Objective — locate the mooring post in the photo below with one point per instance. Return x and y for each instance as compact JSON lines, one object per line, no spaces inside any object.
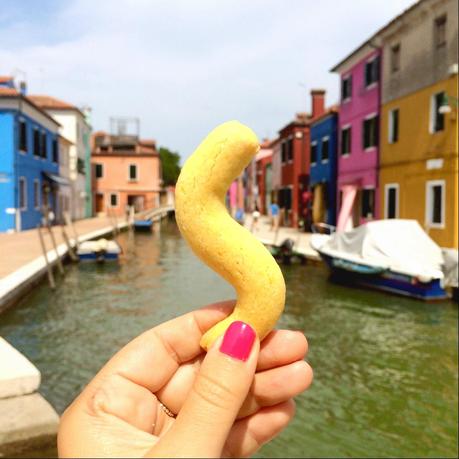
{"x":48,"y":265}
{"x":53,"y":240}
{"x":70,"y":250}
{"x":69,"y":222}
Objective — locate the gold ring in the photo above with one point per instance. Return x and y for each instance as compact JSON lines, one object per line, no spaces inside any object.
{"x":166,"y":410}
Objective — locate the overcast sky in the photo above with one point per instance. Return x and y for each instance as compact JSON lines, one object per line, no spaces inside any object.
{"x":184,"y":66}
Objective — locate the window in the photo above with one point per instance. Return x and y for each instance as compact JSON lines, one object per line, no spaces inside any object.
{"x":55,"y":151}
{"x":371,"y":71}
{"x":132,"y":172}
{"x":395,"y":58}
{"x":22,"y":193}
{"x":325,"y":149}
{"x":440,"y":31}
{"x":36,"y":194}
{"x":113,"y":200}
{"x":435,"y":203}
{"x":284,"y":151}
{"x":437,"y":119}
{"x":313,"y":153}
{"x":23,"y":136}
{"x":391,"y":200}
{"x":80,"y":166}
{"x":346,"y":88}
{"x":346,"y":141}
{"x":290,"y":150}
{"x":370,"y":132}
{"x":368,"y":202}
{"x":44,"y":145}
{"x":36,"y":142}
{"x":393,"y":126}
{"x":99,"y":170}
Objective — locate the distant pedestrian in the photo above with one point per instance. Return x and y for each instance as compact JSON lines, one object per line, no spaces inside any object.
{"x":255,"y":217}
{"x":274,"y":213}
{"x":239,"y":217}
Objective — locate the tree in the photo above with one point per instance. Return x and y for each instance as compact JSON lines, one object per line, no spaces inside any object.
{"x":170,"y":165}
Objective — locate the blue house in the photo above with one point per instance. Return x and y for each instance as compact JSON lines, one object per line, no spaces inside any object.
{"x":29,"y":160}
{"x":323,"y":175}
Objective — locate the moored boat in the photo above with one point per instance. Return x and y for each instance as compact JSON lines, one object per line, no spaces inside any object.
{"x":143,"y":225}
{"x":394,"y":255}
{"x":100,"y":250}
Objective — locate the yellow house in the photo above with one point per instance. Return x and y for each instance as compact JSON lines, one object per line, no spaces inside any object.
{"x":418,"y":176}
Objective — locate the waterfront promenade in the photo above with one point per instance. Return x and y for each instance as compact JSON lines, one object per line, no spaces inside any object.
{"x":263,"y":232}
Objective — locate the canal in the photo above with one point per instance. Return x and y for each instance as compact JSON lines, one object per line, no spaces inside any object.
{"x":385,"y":367}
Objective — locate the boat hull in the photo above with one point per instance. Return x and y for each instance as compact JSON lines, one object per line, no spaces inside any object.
{"x":143,"y":225}
{"x":385,"y":280}
{"x":98,"y":257}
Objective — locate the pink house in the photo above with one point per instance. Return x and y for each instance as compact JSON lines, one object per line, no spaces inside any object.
{"x":358,"y":136}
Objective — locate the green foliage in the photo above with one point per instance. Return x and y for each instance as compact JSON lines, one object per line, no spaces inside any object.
{"x":170,"y":165}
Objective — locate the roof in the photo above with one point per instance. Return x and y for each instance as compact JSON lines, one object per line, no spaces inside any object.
{"x":263,"y":153}
{"x":334,"y":109}
{"x":5,"y":78}
{"x":378,"y":32}
{"x":6,"y":91}
{"x":52,"y":103}
{"x":14,"y":93}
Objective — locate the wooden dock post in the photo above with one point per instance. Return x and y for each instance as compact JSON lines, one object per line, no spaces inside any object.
{"x":58,"y":258}
{"x":70,"y":250}
{"x":69,"y":222}
{"x":49,"y":268}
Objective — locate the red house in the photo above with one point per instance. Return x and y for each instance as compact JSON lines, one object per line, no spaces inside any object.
{"x":263,"y":161}
{"x":293,"y":195}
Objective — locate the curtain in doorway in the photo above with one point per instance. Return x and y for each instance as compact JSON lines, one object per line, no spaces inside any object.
{"x":345,"y":222}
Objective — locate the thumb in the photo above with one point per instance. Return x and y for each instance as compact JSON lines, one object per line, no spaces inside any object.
{"x":220,"y":388}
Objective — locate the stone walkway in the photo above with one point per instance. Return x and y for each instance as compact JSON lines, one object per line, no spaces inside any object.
{"x":267,"y":236}
{"x":18,"y":249}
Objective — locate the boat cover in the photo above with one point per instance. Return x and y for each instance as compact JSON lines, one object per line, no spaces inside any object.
{"x":451,"y":267}
{"x":395,"y":244}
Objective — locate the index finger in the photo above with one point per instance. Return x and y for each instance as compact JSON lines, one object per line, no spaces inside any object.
{"x":152,"y":358}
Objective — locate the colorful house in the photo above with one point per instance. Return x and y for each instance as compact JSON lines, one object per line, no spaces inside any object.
{"x":293,"y":194}
{"x":323,"y":161}
{"x":29,"y":160}
{"x":75,"y":128}
{"x":127,"y":172}
{"x":358,"y":136}
{"x":419,"y":128}
{"x":263,"y":167}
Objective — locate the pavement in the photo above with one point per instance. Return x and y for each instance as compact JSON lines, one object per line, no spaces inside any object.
{"x":18,"y":249}
{"x":263,"y":232}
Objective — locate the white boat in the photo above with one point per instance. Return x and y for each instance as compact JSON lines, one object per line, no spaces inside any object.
{"x":99,"y":250}
{"x":392,"y":255}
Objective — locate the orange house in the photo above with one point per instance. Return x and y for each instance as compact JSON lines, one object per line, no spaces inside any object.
{"x":126,"y":172}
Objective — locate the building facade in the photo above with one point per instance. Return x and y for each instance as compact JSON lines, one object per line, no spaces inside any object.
{"x":323,"y":159}
{"x":264,"y":182}
{"x":419,"y":129}
{"x":127,"y":172}
{"x":65,"y":192}
{"x":75,"y":128}
{"x":29,"y":160}
{"x":293,"y":195}
{"x":358,"y":136}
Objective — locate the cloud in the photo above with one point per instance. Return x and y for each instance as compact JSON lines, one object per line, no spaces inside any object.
{"x":182,"y":66}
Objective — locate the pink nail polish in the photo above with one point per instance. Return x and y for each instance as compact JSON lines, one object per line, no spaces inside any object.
{"x":238,"y":340}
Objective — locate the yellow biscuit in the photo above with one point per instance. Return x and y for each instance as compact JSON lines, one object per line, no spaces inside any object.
{"x":217,"y":239}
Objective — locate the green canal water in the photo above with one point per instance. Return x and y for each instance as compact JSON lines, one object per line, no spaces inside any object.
{"x":386,"y":368}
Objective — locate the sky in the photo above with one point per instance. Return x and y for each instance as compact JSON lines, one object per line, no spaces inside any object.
{"x":185,"y":66}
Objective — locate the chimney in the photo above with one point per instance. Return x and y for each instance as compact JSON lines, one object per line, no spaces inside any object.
{"x":23,"y":88}
{"x":317,"y":102}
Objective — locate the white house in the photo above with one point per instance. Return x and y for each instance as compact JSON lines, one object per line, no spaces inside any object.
{"x":76,"y":129}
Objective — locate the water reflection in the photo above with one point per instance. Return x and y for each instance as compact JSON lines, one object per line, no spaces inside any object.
{"x":385,"y":367}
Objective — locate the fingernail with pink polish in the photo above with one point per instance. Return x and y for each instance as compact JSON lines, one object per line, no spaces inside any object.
{"x":238,"y":340}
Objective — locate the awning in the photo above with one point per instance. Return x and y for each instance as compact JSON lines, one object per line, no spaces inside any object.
{"x":56,"y":178}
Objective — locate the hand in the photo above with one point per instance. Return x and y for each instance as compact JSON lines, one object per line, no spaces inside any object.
{"x":224,"y":405}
